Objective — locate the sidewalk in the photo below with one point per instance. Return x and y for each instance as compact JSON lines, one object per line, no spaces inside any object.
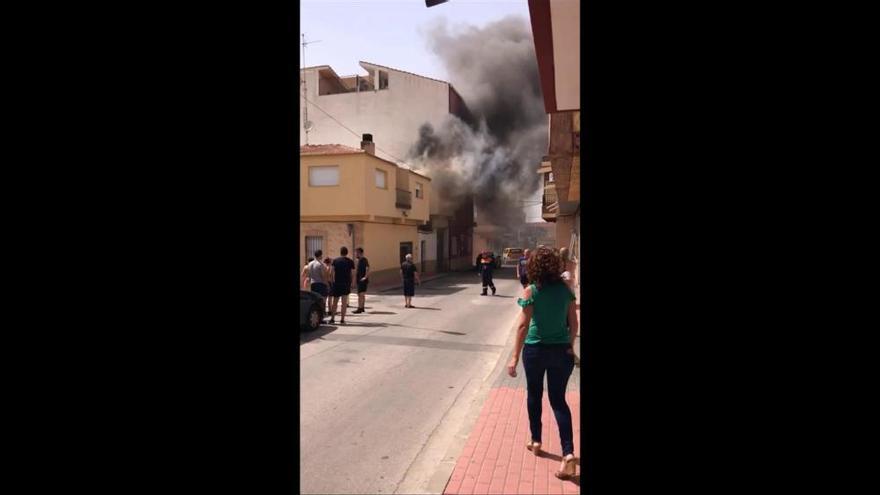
{"x":494,"y":459}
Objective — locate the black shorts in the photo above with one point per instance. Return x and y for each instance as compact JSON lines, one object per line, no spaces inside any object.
{"x":320,"y":288}
{"x":362,"y":286}
{"x":409,"y":288}
{"x":341,"y":290}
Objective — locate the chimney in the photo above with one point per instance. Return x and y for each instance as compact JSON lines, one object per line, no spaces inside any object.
{"x":368,"y":145}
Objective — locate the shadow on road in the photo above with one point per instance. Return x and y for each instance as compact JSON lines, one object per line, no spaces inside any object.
{"x":425,"y":307}
{"x":436,"y":290}
{"x":369,"y":325}
{"x":323,"y":330}
{"x":416,"y":342}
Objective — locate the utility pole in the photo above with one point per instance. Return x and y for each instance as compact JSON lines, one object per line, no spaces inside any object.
{"x":307,"y":125}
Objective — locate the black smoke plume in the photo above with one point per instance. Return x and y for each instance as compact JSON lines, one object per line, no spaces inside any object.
{"x":494,"y":157}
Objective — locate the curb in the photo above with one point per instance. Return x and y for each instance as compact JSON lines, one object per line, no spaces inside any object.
{"x":444,"y":472}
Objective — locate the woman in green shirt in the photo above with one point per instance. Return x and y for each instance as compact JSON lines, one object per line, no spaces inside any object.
{"x":546,"y":331}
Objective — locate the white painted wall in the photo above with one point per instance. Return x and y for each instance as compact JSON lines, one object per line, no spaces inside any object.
{"x":393,"y":116}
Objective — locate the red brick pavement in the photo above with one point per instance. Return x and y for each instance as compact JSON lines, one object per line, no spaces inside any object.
{"x":495,"y":460}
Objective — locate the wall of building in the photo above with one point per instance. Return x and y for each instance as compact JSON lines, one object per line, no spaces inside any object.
{"x":382,"y":247}
{"x":334,"y":234}
{"x":380,"y":201}
{"x":565,"y":21}
{"x":393,"y":115}
{"x":564,"y":227}
{"x":430,"y":253}
{"x":421,"y":207}
{"x":348,"y":198}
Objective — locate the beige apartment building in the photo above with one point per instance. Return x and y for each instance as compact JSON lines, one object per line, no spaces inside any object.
{"x":350,"y":197}
{"x":391,"y":104}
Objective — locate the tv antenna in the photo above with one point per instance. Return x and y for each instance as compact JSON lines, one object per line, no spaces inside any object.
{"x":308,"y":125}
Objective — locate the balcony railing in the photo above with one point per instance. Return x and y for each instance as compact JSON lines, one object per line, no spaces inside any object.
{"x":550,"y":206}
{"x":404,"y":199}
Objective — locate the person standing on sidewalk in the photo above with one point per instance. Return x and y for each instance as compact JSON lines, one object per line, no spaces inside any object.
{"x":328,"y":268}
{"x":363,"y":273}
{"x":304,"y":275}
{"x":341,"y":276}
{"x":545,"y":337}
{"x":569,"y":266}
{"x":521,"y":271}
{"x":319,"y":275}
{"x":410,"y":275}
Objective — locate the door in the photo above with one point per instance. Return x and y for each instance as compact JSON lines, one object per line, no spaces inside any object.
{"x":441,"y":250}
{"x":422,"y":255}
{"x":405,"y":249}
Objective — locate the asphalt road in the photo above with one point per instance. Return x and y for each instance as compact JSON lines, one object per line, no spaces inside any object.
{"x":383,"y":397}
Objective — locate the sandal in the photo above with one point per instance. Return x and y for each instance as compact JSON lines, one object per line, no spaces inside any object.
{"x":535,"y":447}
{"x":568,"y":468}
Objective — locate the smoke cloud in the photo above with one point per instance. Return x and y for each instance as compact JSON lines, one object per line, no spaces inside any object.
{"x":493,"y":157}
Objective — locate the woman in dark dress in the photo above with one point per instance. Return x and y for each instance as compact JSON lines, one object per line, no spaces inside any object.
{"x":410,"y":275}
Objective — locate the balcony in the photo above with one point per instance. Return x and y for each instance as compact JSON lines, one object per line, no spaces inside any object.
{"x":550,"y":206}
{"x":404,"y":199}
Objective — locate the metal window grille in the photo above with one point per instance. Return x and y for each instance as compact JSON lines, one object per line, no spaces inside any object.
{"x":313,"y":243}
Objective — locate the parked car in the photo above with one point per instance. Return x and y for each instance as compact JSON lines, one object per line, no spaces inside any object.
{"x":512,"y":255}
{"x":498,"y":260}
{"x":311,"y":309}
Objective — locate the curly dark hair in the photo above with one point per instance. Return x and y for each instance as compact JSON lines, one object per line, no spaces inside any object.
{"x":544,"y":266}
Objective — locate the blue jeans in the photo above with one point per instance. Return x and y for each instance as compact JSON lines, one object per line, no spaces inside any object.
{"x":558,"y":364}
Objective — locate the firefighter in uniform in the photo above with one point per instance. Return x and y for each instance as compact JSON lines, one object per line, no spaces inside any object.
{"x":485,"y":266}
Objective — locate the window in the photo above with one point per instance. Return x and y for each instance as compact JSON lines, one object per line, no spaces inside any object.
{"x":324,"y":176}
{"x":313,"y":243}
{"x":419,"y":190}
{"x":381,"y":179}
{"x":383,"y":79}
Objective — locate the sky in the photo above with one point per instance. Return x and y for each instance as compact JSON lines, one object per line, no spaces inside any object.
{"x":389,"y":32}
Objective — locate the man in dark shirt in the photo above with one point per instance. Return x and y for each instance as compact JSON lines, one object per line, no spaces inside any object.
{"x":363,"y":273}
{"x":486,"y":265}
{"x":410,"y":274}
{"x":340,"y":273}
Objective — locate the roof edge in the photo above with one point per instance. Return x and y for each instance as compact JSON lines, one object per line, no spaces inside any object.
{"x":362,"y":62}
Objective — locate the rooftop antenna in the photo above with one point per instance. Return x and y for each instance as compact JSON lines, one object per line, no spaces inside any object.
{"x":307,"y":124}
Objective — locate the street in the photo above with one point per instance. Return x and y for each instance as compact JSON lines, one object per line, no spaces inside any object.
{"x":384,"y":397}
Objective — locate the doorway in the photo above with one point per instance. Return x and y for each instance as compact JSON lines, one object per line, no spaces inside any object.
{"x":422,"y":255}
{"x":441,"y":250}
